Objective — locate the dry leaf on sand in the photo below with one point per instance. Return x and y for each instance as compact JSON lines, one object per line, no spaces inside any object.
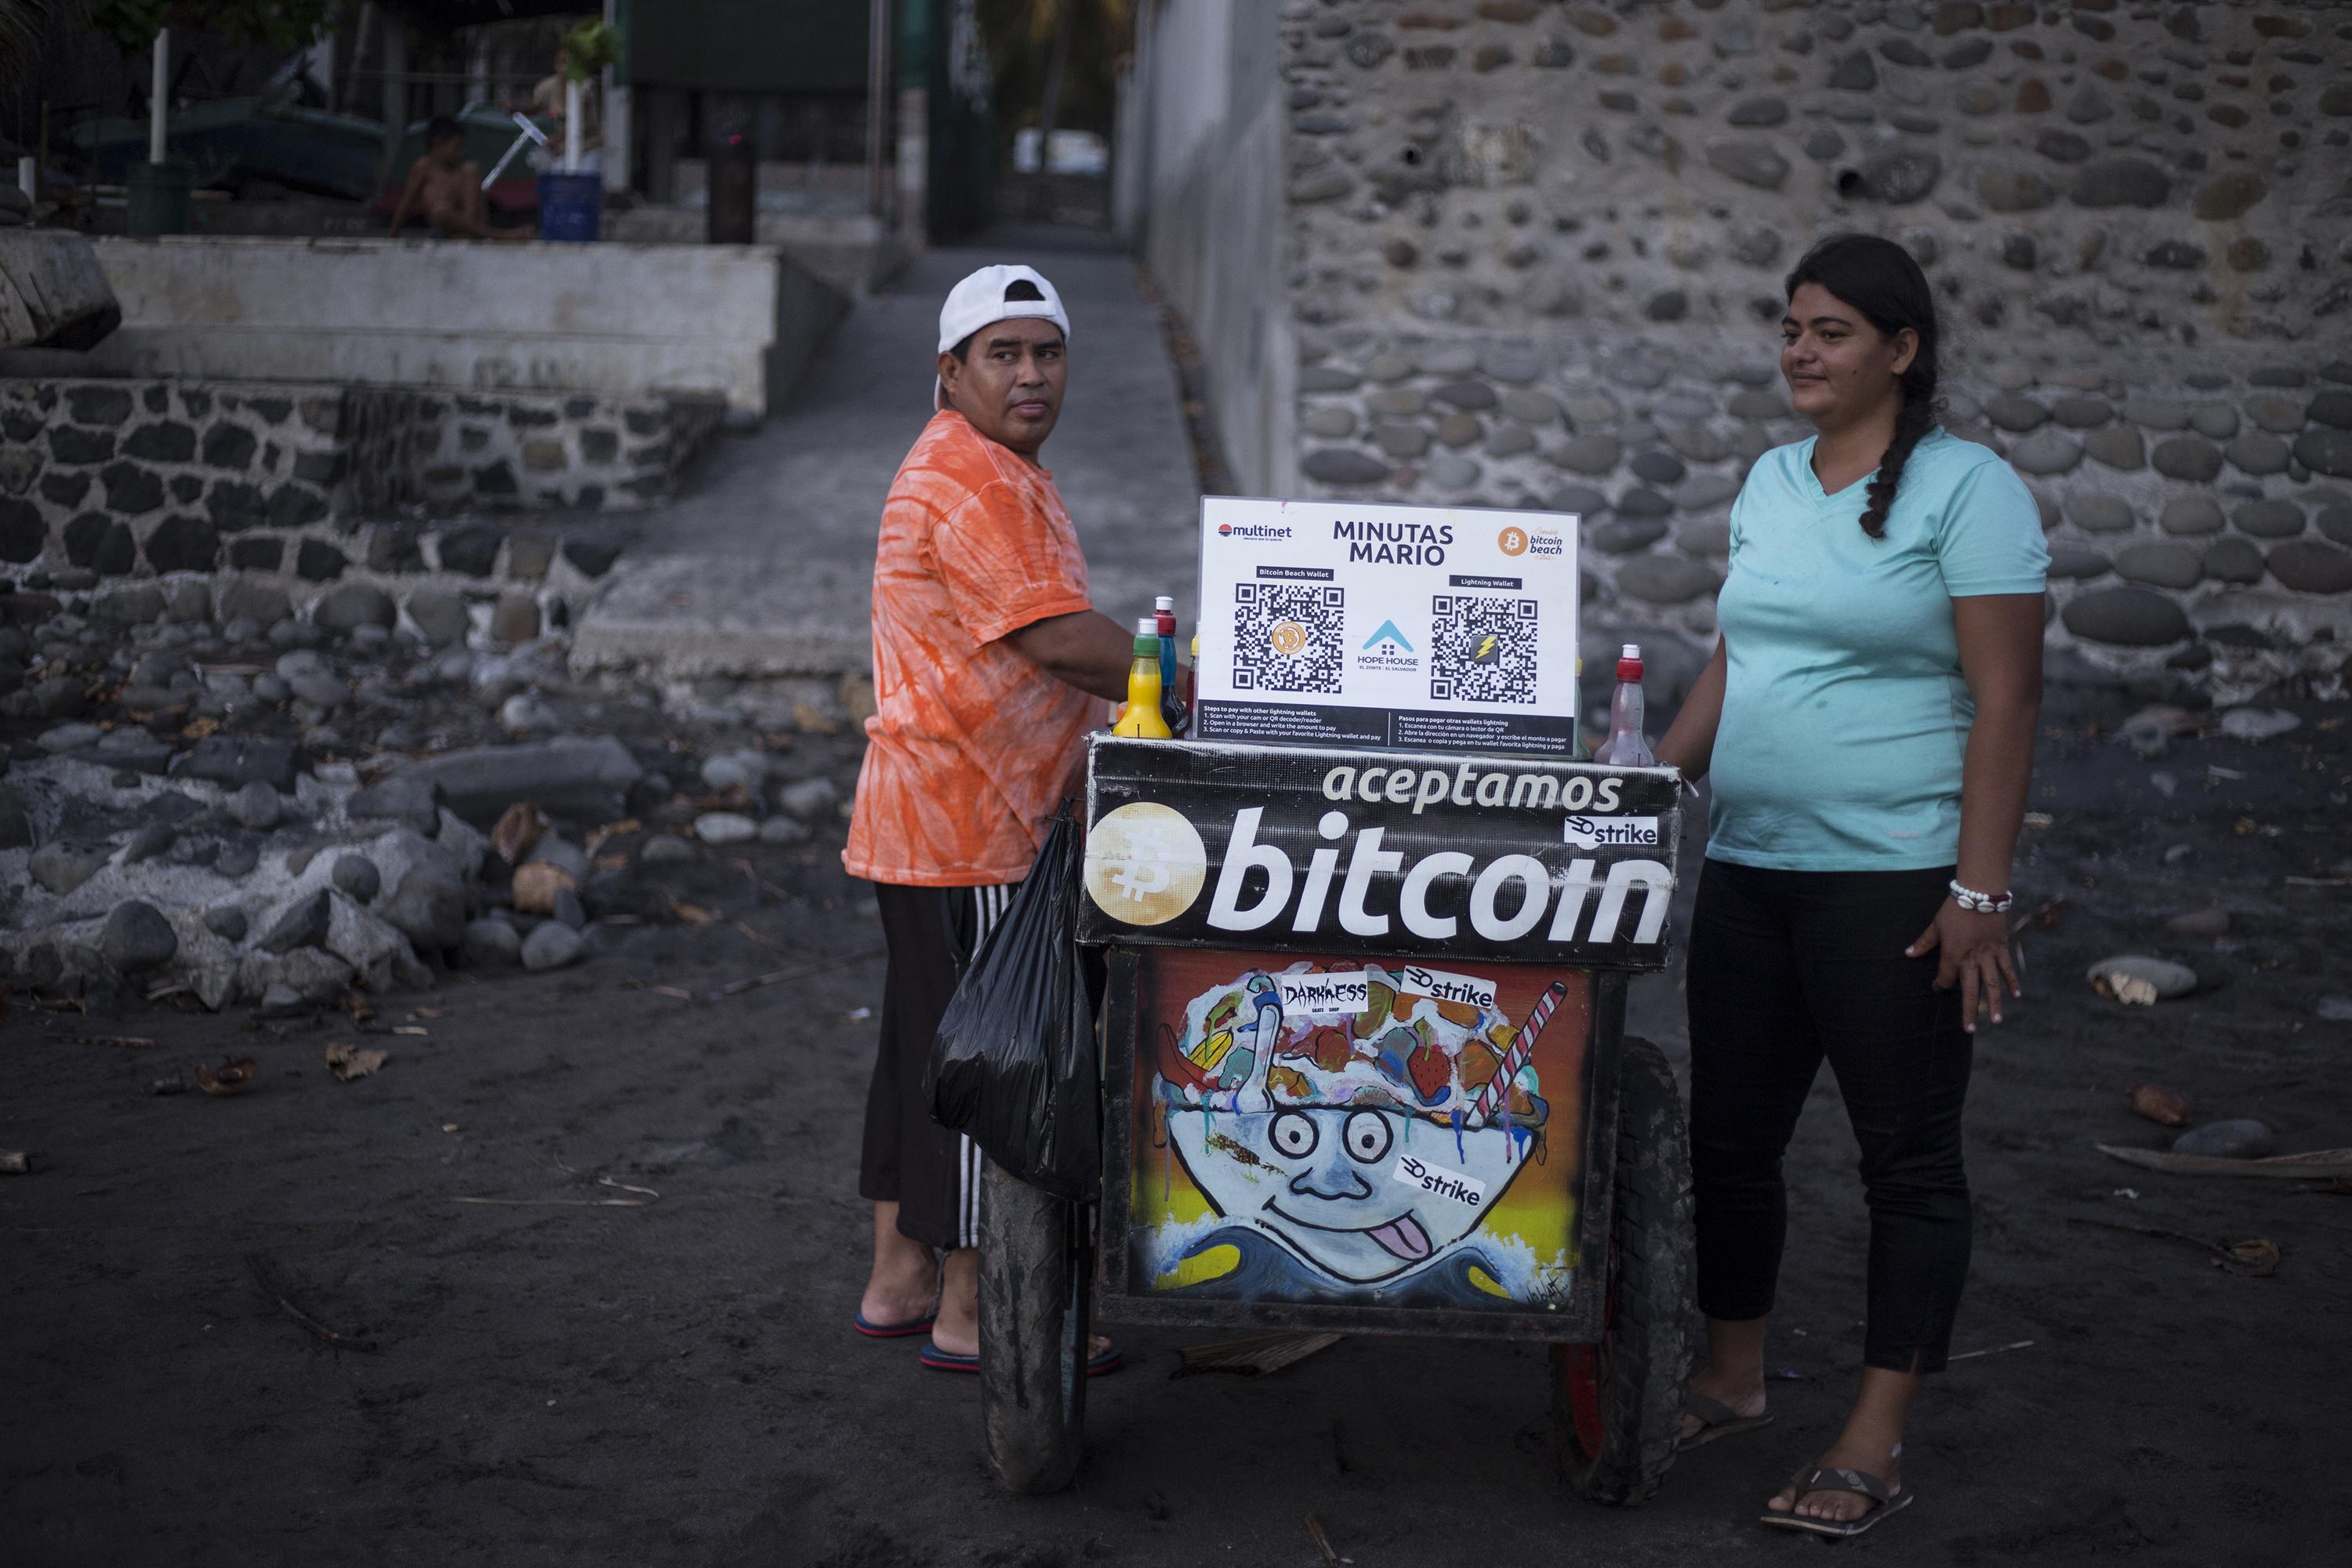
{"x":521,"y":828}
{"x":2161,"y":1104}
{"x":2258,"y":1255}
{"x":229,"y":1078}
{"x":348,"y":1062}
{"x":536,"y":885}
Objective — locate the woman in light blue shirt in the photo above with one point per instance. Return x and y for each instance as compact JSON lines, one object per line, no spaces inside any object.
{"x":1868,"y":718}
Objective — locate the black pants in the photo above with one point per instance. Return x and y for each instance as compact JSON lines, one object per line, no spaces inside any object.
{"x":1786,"y":967}
{"x":931,"y":1174}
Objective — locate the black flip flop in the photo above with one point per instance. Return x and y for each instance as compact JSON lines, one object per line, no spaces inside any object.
{"x":1716,"y":1419}
{"x":1862,"y":1483}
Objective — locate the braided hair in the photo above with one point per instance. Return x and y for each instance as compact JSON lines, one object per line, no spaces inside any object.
{"x":1879,"y":279}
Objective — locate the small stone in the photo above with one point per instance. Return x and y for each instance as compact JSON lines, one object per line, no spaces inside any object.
{"x":2199,"y":923}
{"x":490,"y":943}
{"x":667,"y":848}
{"x":2046,"y":452}
{"x":1667,"y":579}
{"x":304,"y":925}
{"x":236,"y":861}
{"x":2190,"y":515}
{"x":2079,"y":413}
{"x":2239,"y":1138}
{"x":438,"y":616}
{"x":781,"y":830}
{"x":2216,"y":421}
{"x":2138,"y":978}
{"x":550,"y":945}
{"x":2258,"y":452}
{"x":2233,"y":561}
{"x":324,"y":690}
{"x":2125,"y":617}
{"x":1749,"y":163}
{"x":233,"y":760}
{"x":724,"y":827}
{"x":137,"y":937}
{"x":1330,"y":423}
{"x":149,"y":842}
{"x":61,"y":868}
{"x":226,"y":923}
{"x":1343,"y":466}
{"x":2161,"y":562}
{"x":524,"y":714}
{"x":514,"y":619}
{"x":810,"y":799}
{"x":347,"y":608}
{"x":2258,"y":723}
{"x":356,"y":875}
{"x":255,"y":806}
{"x":2016,"y":414}
{"x":2100,"y":513}
{"x":66,"y":738}
{"x":281,"y":1001}
{"x":1596,"y":455}
{"x":428,"y":905}
{"x":2311,"y":567}
{"x":2269,"y":519}
{"x":2325,"y":451}
{"x":405,"y":797}
{"x":2121,"y":182}
{"x":2228,"y":196}
{"x":2118,"y":446}
{"x":2187,"y":458}
{"x":1900,"y":177}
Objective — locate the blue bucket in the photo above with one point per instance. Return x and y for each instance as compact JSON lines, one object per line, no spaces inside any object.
{"x":570,"y":206}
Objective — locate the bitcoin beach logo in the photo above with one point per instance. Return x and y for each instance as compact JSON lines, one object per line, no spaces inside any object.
{"x":1514,"y":540}
{"x":1287,"y":637}
{"x":1145,"y":864}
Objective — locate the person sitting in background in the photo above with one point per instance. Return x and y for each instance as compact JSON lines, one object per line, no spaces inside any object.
{"x":445,"y":189}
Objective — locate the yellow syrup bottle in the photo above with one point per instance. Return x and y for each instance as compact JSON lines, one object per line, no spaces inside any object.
{"x":1140,"y":719}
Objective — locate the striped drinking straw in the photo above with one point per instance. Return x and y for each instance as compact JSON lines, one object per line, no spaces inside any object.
{"x":1523,"y":1049}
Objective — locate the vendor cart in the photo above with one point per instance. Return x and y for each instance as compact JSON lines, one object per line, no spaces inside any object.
{"x":1365,"y":1071}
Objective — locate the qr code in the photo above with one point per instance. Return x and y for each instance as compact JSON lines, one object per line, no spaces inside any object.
{"x":1482,"y":649}
{"x":1287,"y":637}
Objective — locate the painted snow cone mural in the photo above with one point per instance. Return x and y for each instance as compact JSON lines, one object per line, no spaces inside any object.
{"x":1398,"y":1135}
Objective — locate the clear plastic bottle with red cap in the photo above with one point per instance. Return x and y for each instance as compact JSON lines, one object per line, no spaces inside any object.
{"x":1627,"y":746}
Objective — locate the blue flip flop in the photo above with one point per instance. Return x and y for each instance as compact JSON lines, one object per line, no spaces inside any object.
{"x":939,"y":1359}
{"x":872,"y":1330}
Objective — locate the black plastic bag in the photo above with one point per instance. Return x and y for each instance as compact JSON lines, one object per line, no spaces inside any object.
{"x":1014,"y":1065}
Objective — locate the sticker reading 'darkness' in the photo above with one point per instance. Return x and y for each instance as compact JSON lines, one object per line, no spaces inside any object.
{"x":1415,"y":1171}
{"x":1324,"y":996}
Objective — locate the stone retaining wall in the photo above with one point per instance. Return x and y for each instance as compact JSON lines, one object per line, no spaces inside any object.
{"x":1535,"y":253}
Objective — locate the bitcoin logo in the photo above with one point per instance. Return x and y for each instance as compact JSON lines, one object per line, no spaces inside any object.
{"x":1145,"y":864}
{"x":1514,"y":540}
{"x":1287,"y":637}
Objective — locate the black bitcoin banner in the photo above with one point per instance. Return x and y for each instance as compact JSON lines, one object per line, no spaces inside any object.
{"x":1379,"y":853}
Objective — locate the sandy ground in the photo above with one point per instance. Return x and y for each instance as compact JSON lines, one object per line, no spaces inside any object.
{"x":677,"y":1382}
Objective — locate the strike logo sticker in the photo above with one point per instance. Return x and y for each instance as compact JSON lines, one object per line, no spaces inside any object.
{"x":1447,"y":988}
{"x":1597,"y":832}
{"x":1145,"y":864}
{"x":1415,"y":1171}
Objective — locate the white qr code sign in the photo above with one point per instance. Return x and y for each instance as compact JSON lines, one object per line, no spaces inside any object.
{"x":1424,"y":629}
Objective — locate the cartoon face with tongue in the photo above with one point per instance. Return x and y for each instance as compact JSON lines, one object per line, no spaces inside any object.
{"x":1360,"y":1143}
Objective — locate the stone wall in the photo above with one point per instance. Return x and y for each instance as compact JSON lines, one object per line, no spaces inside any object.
{"x":1536,"y":251}
{"x":168,"y":475}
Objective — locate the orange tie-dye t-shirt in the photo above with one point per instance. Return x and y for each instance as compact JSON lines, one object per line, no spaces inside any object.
{"x":972,"y":744}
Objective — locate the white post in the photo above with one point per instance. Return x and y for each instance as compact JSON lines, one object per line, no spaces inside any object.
{"x":155,"y":97}
{"x":29,"y":177}
{"x":571,"y":96}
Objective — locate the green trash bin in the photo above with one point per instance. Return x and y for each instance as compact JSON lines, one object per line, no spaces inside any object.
{"x":159,"y":198}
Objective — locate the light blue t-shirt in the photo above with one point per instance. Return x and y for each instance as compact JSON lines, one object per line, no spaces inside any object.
{"x":1845,"y":716}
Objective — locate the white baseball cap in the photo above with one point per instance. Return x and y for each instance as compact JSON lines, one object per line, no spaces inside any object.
{"x":979,"y":301}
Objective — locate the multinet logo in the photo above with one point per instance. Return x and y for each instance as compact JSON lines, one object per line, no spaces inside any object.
{"x":1251,"y":531}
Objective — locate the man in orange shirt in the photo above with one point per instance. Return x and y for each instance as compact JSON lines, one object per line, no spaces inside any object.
{"x":989,"y":667}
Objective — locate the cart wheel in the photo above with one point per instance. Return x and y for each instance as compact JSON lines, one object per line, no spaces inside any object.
{"x":1618,"y":1404}
{"x":1035,"y":1280}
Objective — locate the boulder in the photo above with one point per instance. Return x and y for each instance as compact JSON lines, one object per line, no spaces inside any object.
{"x":428,"y":905}
{"x":550,"y":945}
{"x":53,"y":292}
{"x":570,"y":775}
{"x":137,"y":937}
{"x":489,"y":942}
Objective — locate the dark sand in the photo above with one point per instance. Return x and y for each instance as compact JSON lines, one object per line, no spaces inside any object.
{"x":677,"y":1384}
